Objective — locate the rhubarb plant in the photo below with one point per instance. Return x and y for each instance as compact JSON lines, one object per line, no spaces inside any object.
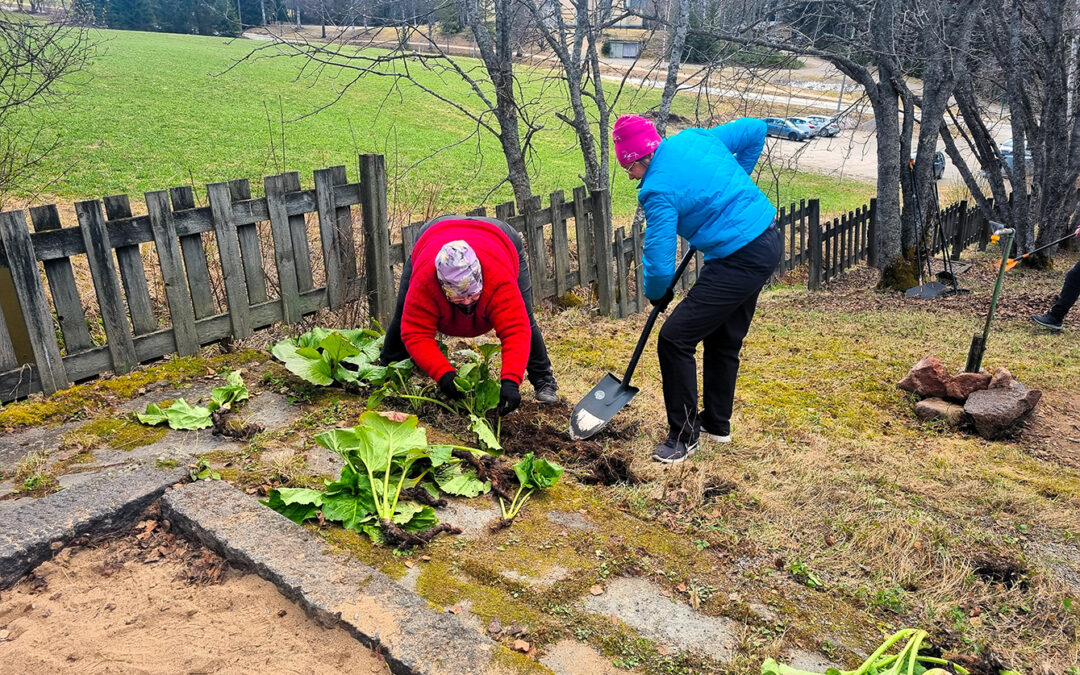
{"x":182,"y":415}
{"x":533,"y":474}
{"x":386,"y":485}
{"x":325,"y":357}
{"x":907,"y":661}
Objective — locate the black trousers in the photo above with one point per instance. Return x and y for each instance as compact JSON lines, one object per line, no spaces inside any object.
{"x":538,"y":367}
{"x":717,"y":311}
{"x":1070,"y":291}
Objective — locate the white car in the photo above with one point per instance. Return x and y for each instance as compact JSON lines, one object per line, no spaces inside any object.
{"x":826,"y":126}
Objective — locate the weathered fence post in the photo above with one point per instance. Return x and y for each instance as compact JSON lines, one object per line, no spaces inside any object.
{"x":534,"y":247}
{"x":132,"y":273}
{"x":961,"y":230}
{"x":379,"y":272}
{"x":872,"y":235}
{"x":65,"y":293}
{"x":814,"y":281}
{"x":602,"y":240}
{"x":336,"y":280}
{"x":274,"y":186}
{"x":163,"y":227}
{"x":232,"y":268}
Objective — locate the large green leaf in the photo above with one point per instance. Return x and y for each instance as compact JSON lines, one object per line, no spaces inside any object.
{"x":350,"y":510}
{"x":296,"y":504}
{"x":489,"y":350}
{"x":301,"y":363}
{"x":533,"y":472}
{"x":482,"y":428}
{"x":487,"y":397}
{"x":376,"y":534}
{"x":341,"y":441}
{"x":425,"y":519}
{"x":453,"y":480}
{"x":184,"y":416}
{"x":154,"y":415}
{"x":343,"y":374}
{"x":440,"y":454}
{"x":234,"y":391}
{"x":381,"y":439}
{"x":405,"y":511}
{"x":371,"y":373}
{"x":337,"y":347}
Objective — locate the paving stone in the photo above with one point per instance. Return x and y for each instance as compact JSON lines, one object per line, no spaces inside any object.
{"x":570,"y":657}
{"x":334,"y":589}
{"x":323,"y":462}
{"x":764,"y":612}
{"x":411,"y":578}
{"x":107,"y":502}
{"x":190,"y":393}
{"x":15,"y":446}
{"x":269,"y":410}
{"x":175,"y":446}
{"x":643,"y":606}
{"x":573,"y":521}
{"x":803,"y":660}
{"x":472,"y":520}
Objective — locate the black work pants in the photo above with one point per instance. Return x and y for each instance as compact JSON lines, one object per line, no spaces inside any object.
{"x":538,"y":367}
{"x":1070,"y":291}
{"x":717,"y":311}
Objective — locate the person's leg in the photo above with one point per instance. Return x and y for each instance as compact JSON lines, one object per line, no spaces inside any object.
{"x":539,"y":365}
{"x":721,"y":369}
{"x":1070,"y":291}
{"x":393,"y":348}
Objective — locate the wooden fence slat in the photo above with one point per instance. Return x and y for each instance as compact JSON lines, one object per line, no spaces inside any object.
{"x":602,"y":238}
{"x":170,"y":258}
{"x":191,"y":245}
{"x":305,"y":279}
{"x":534,"y":247}
{"x":250,"y":251}
{"x":274,"y":186}
{"x":107,"y":285}
{"x":331,"y":243}
{"x":378,"y":270}
{"x":8,"y":358}
{"x":65,"y":292}
{"x":345,"y":232}
{"x":637,"y":237}
{"x":132,"y":271}
{"x":35,"y":307}
{"x":622,"y":277}
{"x":560,"y":242}
{"x":583,"y":235}
{"x":814,"y":251}
{"x":409,"y":234}
{"x":232,"y":269}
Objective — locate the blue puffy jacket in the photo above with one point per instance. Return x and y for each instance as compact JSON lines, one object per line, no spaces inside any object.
{"x":698,"y":186}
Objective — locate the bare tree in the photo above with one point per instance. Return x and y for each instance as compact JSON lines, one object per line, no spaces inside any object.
{"x":35,"y":56}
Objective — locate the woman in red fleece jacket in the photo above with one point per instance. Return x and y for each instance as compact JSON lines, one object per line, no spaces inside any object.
{"x":465,"y":277}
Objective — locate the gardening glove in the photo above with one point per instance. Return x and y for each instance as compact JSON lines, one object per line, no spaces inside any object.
{"x":448,"y":388}
{"x":664,"y":301}
{"x":509,"y":397}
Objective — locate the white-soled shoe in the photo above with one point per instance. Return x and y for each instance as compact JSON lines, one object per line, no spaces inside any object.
{"x":715,"y":438}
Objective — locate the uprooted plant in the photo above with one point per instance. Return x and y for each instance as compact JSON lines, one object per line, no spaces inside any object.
{"x":916,"y":657}
{"x":533,"y":474}
{"x":182,"y":415}
{"x":325,"y":357}
{"x":389,"y":484}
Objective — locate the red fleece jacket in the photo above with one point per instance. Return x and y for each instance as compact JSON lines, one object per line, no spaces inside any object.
{"x":501,"y":306}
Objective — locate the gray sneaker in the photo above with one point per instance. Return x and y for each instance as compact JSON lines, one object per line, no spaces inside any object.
{"x":1047,"y":321}
{"x":674,"y":449}
{"x":546,"y":392}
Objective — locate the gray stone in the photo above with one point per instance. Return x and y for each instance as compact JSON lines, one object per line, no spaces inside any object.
{"x":335,"y":590}
{"x":570,"y":520}
{"x":323,"y":462}
{"x":643,"y":606}
{"x":808,"y":661}
{"x":961,"y":385}
{"x":996,"y":411}
{"x":552,"y":576}
{"x":17,"y":445}
{"x":570,"y":657}
{"x":108,"y":502}
{"x":268,"y":410}
{"x":411,"y":578}
{"x":192,"y":393}
{"x":473,"y":520}
{"x":763,"y":612}
{"x":940,"y":409}
{"x":1002,"y":379}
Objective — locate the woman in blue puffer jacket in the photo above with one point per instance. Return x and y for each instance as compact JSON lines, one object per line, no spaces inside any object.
{"x":697,"y":185}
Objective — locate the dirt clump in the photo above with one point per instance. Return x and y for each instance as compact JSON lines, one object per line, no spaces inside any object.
{"x":533,"y":429}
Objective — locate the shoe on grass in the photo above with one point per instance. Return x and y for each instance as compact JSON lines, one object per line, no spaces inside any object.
{"x":546,"y":392}
{"x":716,"y":437}
{"x":1046,"y":321}
{"x":674,"y":449}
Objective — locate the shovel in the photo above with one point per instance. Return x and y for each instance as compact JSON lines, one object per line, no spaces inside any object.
{"x":610,"y":396}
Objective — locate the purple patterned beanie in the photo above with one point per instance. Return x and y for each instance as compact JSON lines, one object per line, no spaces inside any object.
{"x":458,"y":270}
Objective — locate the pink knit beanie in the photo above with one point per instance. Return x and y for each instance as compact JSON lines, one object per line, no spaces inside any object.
{"x":634,"y":138}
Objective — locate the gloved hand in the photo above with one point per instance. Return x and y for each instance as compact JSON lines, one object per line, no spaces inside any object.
{"x":448,"y":388}
{"x":663,"y":302}
{"x":509,"y":398}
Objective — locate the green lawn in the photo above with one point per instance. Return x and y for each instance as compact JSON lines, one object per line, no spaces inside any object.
{"x":157,"y":110}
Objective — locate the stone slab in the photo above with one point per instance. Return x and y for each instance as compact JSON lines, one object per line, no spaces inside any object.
{"x":109,"y":501}
{"x":570,"y":657}
{"x":643,"y":606}
{"x":18,"y":444}
{"x":473,"y":520}
{"x":269,"y":410}
{"x":335,"y":589}
{"x":570,"y":520}
{"x":808,"y":661}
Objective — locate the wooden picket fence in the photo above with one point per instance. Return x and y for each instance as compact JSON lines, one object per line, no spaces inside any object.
{"x":214,"y":264}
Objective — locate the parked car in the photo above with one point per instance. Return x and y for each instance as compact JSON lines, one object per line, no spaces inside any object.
{"x":807,"y":126}
{"x":826,"y":126}
{"x":782,"y":128}
{"x":1007,"y":155}
{"x":939,"y":163}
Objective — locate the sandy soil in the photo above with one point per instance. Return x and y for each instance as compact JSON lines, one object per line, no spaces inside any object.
{"x":161,"y":605}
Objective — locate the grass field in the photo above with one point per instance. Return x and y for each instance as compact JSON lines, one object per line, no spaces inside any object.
{"x":157,"y":110}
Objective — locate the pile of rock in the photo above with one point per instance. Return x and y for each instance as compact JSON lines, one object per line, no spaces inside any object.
{"x":992,"y":403}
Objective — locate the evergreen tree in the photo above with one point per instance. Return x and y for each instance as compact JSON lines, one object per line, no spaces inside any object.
{"x":130,"y":15}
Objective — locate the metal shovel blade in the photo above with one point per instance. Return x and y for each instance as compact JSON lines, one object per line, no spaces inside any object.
{"x":598,"y":407}
{"x":930,"y":289}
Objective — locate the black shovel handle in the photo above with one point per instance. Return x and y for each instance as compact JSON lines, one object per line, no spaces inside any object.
{"x":683,"y":264}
